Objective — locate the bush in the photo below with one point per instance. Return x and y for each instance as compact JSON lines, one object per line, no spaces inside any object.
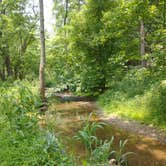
{"x":135,"y":82}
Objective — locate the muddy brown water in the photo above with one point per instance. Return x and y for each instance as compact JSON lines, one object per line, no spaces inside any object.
{"x":67,"y":118}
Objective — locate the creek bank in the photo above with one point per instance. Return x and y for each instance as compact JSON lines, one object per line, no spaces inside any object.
{"x":128,"y":125}
{"x":68,"y":118}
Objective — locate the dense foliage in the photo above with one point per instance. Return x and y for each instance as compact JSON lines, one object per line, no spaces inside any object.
{"x":112,"y":49}
{"x":18,"y":44}
{"x":101,"y":42}
{"x":100,"y":47}
{"x":22,"y":141}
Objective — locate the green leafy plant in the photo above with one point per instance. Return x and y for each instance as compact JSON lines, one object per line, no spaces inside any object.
{"x":99,"y":151}
{"x":120,"y":156}
{"x":102,"y":152}
{"x":87,"y":134}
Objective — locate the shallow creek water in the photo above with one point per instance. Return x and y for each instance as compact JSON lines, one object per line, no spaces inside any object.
{"x":67,"y":118}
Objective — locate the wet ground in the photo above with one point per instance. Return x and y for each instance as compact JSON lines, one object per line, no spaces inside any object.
{"x":68,"y":117}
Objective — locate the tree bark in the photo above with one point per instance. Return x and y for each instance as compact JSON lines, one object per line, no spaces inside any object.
{"x":164,"y":15}
{"x":66,"y":11}
{"x":142,"y":39}
{"x":6,"y":57}
{"x":79,"y":5}
{"x":43,"y":56}
{"x":8,"y":65}
{"x":2,"y":73}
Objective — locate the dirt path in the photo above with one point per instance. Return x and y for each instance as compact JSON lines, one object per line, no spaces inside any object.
{"x":134,"y":127}
{"x":137,"y":128}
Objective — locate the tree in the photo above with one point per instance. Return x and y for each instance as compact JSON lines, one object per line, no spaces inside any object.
{"x":142,"y":36}
{"x":63,"y":9}
{"x":92,"y":46}
{"x":105,"y":39}
{"x":42,"y":57}
{"x":17,"y":24}
{"x":66,"y":11}
{"x":5,"y":51}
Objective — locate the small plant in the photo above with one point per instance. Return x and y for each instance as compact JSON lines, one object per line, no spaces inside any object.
{"x":157,"y":102}
{"x":102,"y":152}
{"x":87,"y":134}
{"x":99,"y":151}
{"x":119,"y":156}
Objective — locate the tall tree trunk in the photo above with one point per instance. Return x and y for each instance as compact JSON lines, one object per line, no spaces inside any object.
{"x":142,"y":39}
{"x":79,"y":5}
{"x":66,"y":11}
{"x":164,"y":14}
{"x":6,"y":59}
{"x":2,"y":73}
{"x":43,"y":56}
{"x":8,"y":65}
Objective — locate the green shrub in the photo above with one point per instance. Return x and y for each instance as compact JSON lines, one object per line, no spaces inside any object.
{"x":135,"y":82}
{"x":87,"y":134}
{"x":157,"y":103}
{"x":101,"y":154}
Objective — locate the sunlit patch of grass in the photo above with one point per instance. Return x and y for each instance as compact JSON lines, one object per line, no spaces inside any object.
{"x":148,"y":108}
{"x":129,"y":109}
{"x":128,"y":112}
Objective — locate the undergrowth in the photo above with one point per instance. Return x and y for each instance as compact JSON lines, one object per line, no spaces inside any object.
{"x":22,"y":141}
{"x":141,"y":96}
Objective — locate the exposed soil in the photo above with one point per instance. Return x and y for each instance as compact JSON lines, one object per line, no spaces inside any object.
{"x":137,"y":128}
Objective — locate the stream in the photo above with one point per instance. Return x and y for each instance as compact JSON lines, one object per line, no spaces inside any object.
{"x":68,"y":117}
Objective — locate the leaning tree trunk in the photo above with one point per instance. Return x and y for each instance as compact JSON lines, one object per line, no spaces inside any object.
{"x":42,"y":57}
{"x":142,"y":50}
